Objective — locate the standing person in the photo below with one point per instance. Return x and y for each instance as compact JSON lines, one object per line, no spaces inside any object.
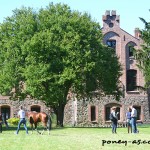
{"x":128,"y":117}
{"x":21,"y":115}
{"x":133,"y":119}
{"x":114,"y":119}
{"x":4,"y":120}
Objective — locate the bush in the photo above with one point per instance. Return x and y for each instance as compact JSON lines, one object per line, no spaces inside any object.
{"x":13,"y":121}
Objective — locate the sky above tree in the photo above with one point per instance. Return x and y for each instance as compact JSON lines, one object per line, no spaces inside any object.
{"x":129,"y":11}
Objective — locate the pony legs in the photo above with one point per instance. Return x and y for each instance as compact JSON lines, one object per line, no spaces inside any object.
{"x":36,"y":128}
{"x":35,"y":125}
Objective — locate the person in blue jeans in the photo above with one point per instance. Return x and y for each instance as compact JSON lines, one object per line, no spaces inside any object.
{"x":133,"y":119}
{"x":21,"y":115}
{"x":128,"y":117}
{"x":114,"y":119}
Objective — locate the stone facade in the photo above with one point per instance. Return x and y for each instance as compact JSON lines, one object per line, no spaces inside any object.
{"x":94,"y":112}
{"x":9,"y":108}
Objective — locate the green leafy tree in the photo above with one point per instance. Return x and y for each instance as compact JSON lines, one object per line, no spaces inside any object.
{"x":53,"y":51}
{"x":143,"y":55}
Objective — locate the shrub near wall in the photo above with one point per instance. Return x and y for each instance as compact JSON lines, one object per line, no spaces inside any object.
{"x":13,"y":121}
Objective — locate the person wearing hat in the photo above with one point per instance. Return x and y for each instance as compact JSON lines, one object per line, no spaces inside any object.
{"x":114,"y":119}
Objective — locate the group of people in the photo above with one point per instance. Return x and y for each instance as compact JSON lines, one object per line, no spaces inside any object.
{"x":131,"y":117}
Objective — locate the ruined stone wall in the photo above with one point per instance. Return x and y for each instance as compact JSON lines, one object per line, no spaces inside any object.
{"x":83,"y":110}
{"x":14,"y":105}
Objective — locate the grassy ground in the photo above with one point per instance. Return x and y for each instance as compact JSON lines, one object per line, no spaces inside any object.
{"x":75,"y":139}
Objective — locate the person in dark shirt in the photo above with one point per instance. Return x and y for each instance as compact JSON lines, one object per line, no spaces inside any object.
{"x":114,"y":120}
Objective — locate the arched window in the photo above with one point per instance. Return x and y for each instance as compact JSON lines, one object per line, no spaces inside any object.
{"x":5,"y":111}
{"x":93,"y":113}
{"x":129,"y":49}
{"x":111,"y":43}
{"x":36,"y":108}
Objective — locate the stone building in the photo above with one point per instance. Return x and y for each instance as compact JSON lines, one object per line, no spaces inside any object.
{"x":9,"y":108}
{"x":95,"y":111}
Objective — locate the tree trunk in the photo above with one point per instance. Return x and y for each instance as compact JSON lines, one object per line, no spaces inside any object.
{"x":60,"y":114}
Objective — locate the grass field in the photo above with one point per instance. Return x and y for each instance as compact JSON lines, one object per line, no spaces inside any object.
{"x":76,"y":139}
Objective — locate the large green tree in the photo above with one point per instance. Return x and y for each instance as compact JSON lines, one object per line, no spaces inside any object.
{"x":53,"y":51}
{"x":143,"y":55}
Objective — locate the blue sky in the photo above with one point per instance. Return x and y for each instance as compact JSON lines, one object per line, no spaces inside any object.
{"x":129,"y":10}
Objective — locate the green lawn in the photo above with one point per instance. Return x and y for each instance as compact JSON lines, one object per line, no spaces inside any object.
{"x":75,"y":139}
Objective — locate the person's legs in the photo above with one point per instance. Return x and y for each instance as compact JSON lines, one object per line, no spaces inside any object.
{"x":6,"y":124}
{"x":132,"y":124}
{"x":135,"y":125}
{"x":18,"y":128}
{"x":134,"y":129}
{"x":24,"y":122}
{"x":128,"y":127}
{"x":113,"y":127}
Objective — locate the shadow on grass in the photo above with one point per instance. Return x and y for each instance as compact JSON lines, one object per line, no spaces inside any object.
{"x":40,"y":128}
{"x":14,"y":128}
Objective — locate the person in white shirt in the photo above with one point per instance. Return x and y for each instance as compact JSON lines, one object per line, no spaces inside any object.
{"x":21,"y":115}
{"x":133,"y":119}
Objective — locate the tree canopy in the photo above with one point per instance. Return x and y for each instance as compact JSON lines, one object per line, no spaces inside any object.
{"x":143,"y":54}
{"x":52,"y":51}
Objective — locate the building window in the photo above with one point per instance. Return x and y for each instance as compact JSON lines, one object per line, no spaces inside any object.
{"x":130,"y":51}
{"x":111,"y":43}
{"x":118,"y":110}
{"x":111,"y":25}
{"x":131,"y":80}
{"x":124,"y":37}
{"x":93,"y":113}
{"x":35,"y":108}
{"x":5,"y":112}
{"x":107,"y":113}
{"x":138,"y":108}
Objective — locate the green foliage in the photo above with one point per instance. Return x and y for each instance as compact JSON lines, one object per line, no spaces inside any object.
{"x":54,"y":120}
{"x":13,"y":121}
{"x":53,"y":51}
{"x":143,"y":55}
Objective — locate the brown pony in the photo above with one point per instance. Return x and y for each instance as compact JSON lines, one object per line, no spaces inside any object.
{"x":36,"y":117}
